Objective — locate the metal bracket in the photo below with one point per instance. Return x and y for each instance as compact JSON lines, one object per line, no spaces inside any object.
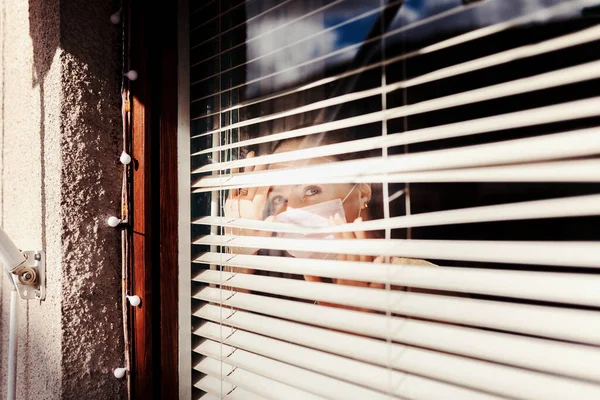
{"x":30,"y":277}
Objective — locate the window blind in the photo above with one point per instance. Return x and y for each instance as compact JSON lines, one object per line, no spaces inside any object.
{"x":392,"y":199}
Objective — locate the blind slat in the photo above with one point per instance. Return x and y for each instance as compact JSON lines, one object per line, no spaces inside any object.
{"x":376,"y":377}
{"x":565,"y":76}
{"x":476,"y":374}
{"x":222,"y":32}
{"x":203,"y":6}
{"x":562,"y":171}
{"x":566,"y":254}
{"x":208,"y":396}
{"x":545,"y":13}
{"x":579,"y":143}
{"x":318,"y":384}
{"x":562,"y":42}
{"x":258,"y":36}
{"x":576,"y":206}
{"x":561,"y":287}
{"x":346,"y":49}
{"x":519,"y":351}
{"x":221,"y":390}
{"x":556,"y":171}
{"x":543,"y":115}
{"x":552,"y":322}
{"x":252,"y":382}
{"x":218,"y":16}
{"x":304,"y":39}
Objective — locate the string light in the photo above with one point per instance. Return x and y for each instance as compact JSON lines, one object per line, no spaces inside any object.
{"x":116,"y":17}
{"x":132,"y":75}
{"x":125,"y":158}
{"x":120,"y":373}
{"x":113,"y":221}
{"x":135,"y":301}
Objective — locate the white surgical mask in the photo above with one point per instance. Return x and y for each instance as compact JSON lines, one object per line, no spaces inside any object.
{"x":314,"y":216}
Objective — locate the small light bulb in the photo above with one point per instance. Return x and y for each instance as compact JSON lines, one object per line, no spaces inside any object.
{"x":131,"y":75}
{"x":125,"y":158}
{"x":120,"y":372}
{"x":116,"y":17}
{"x":134,"y":300}
{"x":113,"y":221}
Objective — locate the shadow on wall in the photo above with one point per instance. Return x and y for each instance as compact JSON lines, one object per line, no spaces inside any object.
{"x":44,"y":49}
{"x":89,"y":138}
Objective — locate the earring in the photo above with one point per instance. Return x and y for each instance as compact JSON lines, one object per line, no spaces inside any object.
{"x":360,"y":208}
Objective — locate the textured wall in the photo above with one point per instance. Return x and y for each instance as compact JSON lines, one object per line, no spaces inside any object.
{"x":60,"y":179}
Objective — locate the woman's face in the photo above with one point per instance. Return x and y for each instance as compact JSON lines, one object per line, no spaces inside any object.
{"x":298,"y":196}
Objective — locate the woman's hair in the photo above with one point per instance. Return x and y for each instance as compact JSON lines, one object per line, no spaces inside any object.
{"x":327,"y":138}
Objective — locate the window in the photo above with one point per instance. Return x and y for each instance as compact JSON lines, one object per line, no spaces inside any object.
{"x":391,"y":200}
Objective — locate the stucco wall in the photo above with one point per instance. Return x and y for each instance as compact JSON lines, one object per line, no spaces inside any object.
{"x":60,"y":179}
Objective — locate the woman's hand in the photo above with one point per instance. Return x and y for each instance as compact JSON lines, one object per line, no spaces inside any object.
{"x":337,"y":220}
{"x":248,"y":204}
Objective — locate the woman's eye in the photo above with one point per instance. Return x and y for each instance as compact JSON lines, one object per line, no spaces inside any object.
{"x":312,"y":191}
{"x":278,"y":200}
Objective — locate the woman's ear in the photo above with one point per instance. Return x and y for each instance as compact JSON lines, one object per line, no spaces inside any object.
{"x":364,"y":193}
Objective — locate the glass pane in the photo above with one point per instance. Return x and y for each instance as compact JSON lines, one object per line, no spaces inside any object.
{"x":330,"y":85}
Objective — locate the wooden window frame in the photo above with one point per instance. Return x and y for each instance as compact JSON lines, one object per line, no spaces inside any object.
{"x":153,"y":53}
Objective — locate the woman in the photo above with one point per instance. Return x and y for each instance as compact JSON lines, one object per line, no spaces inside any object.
{"x":281,"y":203}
